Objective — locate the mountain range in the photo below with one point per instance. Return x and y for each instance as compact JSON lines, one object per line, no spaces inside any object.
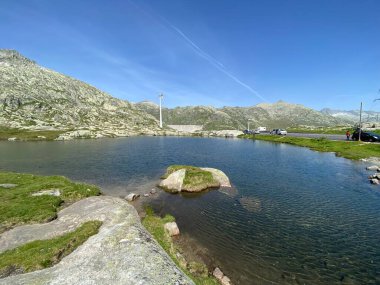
{"x":36,"y":98}
{"x":277,"y":115}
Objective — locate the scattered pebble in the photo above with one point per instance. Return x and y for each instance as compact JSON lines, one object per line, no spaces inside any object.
{"x":51,"y":192}
{"x":131,"y":197}
{"x":8,"y":185}
{"x":153,"y":191}
{"x":223,"y":279}
{"x":146,"y":195}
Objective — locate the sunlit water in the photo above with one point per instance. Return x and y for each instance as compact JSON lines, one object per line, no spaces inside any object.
{"x":294,"y":216}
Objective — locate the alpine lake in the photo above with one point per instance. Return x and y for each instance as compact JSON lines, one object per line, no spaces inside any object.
{"x":293,"y":216}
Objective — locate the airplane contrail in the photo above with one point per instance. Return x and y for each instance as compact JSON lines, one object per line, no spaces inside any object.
{"x":200,"y":51}
{"x":214,"y":61}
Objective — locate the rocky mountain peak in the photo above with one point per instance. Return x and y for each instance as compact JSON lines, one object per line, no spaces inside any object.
{"x":12,"y":57}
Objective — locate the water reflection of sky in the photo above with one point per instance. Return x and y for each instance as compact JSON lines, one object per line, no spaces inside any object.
{"x":295,"y":215}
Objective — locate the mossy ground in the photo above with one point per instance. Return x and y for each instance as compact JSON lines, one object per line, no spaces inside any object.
{"x":18,"y":206}
{"x":195,"y":270}
{"x":348,"y":149}
{"x":27,"y":135}
{"x":41,"y":254}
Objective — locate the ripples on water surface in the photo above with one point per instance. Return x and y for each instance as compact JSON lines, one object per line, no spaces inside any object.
{"x":295,"y":217}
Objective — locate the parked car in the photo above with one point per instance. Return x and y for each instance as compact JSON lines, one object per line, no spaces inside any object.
{"x":262,"y":129}
{"x":246,"y":132}
{"x":366,"y":136}
{"x":281,"y":132}
{"x":256,"y":131}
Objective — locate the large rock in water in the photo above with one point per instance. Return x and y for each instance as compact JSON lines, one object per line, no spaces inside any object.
{"x":193,"y":179}
{"x":123,"y":252}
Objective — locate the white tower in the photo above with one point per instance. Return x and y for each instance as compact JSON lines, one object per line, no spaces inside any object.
{"x":161,"y":96}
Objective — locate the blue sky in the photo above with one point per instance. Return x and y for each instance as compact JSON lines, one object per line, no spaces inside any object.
{"x":215,"y":52}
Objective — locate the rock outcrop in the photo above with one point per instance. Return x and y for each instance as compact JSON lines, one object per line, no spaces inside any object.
{"x":36,"y":98}
{"x":193,"y":179}
{"x":123,"y":252}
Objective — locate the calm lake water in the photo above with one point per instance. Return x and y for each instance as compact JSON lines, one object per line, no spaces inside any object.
{"x":294,"y":216}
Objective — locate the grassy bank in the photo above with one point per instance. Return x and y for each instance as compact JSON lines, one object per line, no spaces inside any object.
{"x":325,"y":130}
{"x":18,"y":206}
{"x":27,"y":135}
{"x":41,"y":254}
{"x":196,"y":271}
{"x":347,"y":149}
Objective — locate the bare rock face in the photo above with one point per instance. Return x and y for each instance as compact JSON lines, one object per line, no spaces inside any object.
{"x":172,"y":229}
{"x":123,"y":252}
{"x":219,"y":175}
{"x":174,"y":181}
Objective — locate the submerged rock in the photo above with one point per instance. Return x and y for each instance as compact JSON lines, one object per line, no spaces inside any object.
{"x":373,"y":167}
{"x":131,"y":197}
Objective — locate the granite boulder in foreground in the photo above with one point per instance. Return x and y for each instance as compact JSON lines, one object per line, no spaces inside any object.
{"x":193,"y":179}
{"x":123,"y":252}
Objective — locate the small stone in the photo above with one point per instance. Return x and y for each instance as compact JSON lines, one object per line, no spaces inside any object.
{"x":51,"y":192}
{"x":171,"y":228}
{"x":375,"y":181}
{"x":8,"y":185}
{"x":153,"y":191}
{"x":12,"y":139}
{"x":41,"y":137}
{"x":131,"y":197}
{"x":225,"y":281}
{"x":373,"y":167}
{"x":218,"y":274}
{"x":146,"y":195}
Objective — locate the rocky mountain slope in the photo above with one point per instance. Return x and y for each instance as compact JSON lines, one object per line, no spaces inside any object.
{"x":277,"y":115}
{"x":36,"y":98}
{"x":353,"y":115}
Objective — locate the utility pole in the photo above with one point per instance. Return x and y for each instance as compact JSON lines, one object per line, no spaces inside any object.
{"x":360,"y":121}
{"x":248,"y":123}
{"x":161,"y":96}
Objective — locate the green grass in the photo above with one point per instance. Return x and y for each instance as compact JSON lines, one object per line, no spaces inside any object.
{"x":27,"y":135}
{"x":41,"y":254}
{"x":17,"y":206}
{"x":347,"y":149}
{"x":155,"y":225}
{"x":325,"y":130}
{"x":174,"y":168}
{"x":198,"y":179}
